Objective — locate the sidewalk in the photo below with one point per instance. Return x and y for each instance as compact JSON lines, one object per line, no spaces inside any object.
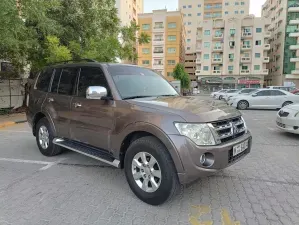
{"x":9,"y":120}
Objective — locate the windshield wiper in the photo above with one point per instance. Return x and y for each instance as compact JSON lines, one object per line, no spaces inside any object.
{"x":138,"y":96}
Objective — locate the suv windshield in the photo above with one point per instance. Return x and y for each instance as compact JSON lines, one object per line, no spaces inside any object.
{"x":136,"y":82}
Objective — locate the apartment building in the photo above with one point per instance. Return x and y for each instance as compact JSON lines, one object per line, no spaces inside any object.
{"x":283,"y":16}
{"x":167,"y":46}
{"x":232,"y":53}
{"x":128,"y":10}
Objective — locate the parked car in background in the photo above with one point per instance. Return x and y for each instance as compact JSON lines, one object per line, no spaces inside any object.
{"x":238,"y":92}
{"x":285,"y":88}
{"x":287,"y":119}
{"x":219,"y":95}
{"x":295,"y":92}
{"x":264,"y":99}
{"x":216,"y":92}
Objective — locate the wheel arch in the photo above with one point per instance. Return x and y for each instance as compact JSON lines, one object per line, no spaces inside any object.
{"x":37,"y":117}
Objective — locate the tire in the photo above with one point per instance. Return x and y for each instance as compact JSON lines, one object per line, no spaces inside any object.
{"x":168,"y":182}
{"x":49,"y":149}
{"x":242,"y":105}
{"x":220,"y":97}
{"x":286,"y":103}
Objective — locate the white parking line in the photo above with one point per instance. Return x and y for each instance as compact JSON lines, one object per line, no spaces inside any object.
{"x":47,"y":164}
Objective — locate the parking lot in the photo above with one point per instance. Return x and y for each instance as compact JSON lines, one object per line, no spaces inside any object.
{"x":72,"y":189}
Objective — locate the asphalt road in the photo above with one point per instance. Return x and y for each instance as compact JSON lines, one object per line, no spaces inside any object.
{"x":72,"y":189}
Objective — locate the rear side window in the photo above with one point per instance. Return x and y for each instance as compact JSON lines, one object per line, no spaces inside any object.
{"x":276,"y":93}
{"x":264,"y":93}
{"x":44,"y":79}
{"x":55,"y":81}
{"x":91,"y":77}
{"x":67,"y":81}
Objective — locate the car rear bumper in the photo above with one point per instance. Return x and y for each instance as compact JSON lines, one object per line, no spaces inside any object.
{"x":190,"y":155}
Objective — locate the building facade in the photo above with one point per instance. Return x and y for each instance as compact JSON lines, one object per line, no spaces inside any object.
{"x":284,"y":55}
{"x":167,"y":45}
{"x":128,"y":10}
{"x":232,"y":53}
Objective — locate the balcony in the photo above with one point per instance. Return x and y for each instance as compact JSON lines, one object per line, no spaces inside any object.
{"x":157,"y":66}
{"x":198,"y":61}
{"x":230,"y":71}
{"x":218,"y":36}
{"x":294,"y":47}
{"x":267,"y":34}
{"x":198,"y":49}
{"x":293,"y":9}
{"x":244,"y":72}
{"x":295,"y":72}
{"x":294,"y":22}
{"x":266,"y":59}
{"x":197,"y":72}
{"x":294,"y":59}
{"x":246,"y":47}
{"x":158,"y":54}
{"x":267,"y":46}
{"x":295,"y":33}
{"x":158,"y":28}
{"x":158,"y":41}
{"x":217,"y":60}
{"x":245,"y":59}
{"x":216,"y":72}
{"x":217,"y":49}
{"x":246,"y":34}
{"x":265,"y":71}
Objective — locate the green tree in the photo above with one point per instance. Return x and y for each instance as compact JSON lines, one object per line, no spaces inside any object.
{"x":180,"y":74}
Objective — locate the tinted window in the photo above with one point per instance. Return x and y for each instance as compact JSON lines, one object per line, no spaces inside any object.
{"x":247,"y":90}
{"x":56,"y":80}
{"x":67,"y":81}
{"x":232,"y":91}
{"x":91,"y":77}
{"x":44,"y":80}
{"x":264,"y":93}
{"x":275,"y":93}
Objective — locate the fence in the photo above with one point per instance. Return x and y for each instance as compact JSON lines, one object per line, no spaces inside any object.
{"x":12,"y":92}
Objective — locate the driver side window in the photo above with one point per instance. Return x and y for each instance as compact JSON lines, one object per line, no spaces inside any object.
{"x":91,"y":77}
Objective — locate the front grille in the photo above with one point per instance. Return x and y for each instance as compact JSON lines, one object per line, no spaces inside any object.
{"x":281,"y":125}
{"x":232,"y":158}
{"x":283,"y":114}
{"x":229,"y":129}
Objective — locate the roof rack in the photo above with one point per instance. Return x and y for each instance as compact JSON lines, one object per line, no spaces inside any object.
{"x":78,"y":60}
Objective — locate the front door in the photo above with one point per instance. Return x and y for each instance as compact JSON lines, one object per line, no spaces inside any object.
{"x":92,"y":119}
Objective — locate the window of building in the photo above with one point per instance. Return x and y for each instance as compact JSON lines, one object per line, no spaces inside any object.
{"x":145,"y":51}
{"x":158,"y":37}
{"x":244,"y":67}
{"x":206,"y":44}
{"x":188,"y":48}
{"x":206,"y":56}
{"x":226,"y":12}
{"x":159,"y":25}
{"x":257,"y":67}
{"x":230,"y":67}
{"x":208,"y":6}
{"x":189,"y":23}
{"x":171,"y":50}
{"x":189,"y":31}
{"x":146,"y":26}
{"x":158,"y":50}
{"x":188,"y":40}
{"x":232,"y":31}
{"x":145,"y":62}
{"x":170,"y":74}
{"x":184,"y":15}
{"x":171,"y":38}
{"x":242,"y":3}
{"x":198,"y":14}
{"x":184,"y":6}
{"x":258,"y":30}
{"x":258,"y":42}
{"x":236,"y":12}
{"x":226,"y":3}
{"x":206,"y":68}
{"x":171,"y":25}
{"x":236,"y":3}
{"x":158,"y":62}
{"x":232,"y":44}
{"x":189,"y":6}
{"x":199,"y":5}
{"x":242,"y":12}
{"x":189,"y":14}
{"x":218,"y":6}
{"x":171,"y":62}
{"x":207,"y":32}
{"x":231,"y":56}
{"x":246,"y":54}
{"x":257,"y":55}
{"x":218,"y":33}
{"x":218,"y":45}
{"x":246,"y":43}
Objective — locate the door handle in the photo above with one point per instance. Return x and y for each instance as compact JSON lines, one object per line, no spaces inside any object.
{"x":77,"y":105}
{"x":50,"y":100}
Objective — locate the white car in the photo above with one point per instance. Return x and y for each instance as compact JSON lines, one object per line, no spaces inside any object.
{"x":219,"y":95}
{"x":287,"y":118}
{"x":228,"y":95}
{"x":264,"y":99}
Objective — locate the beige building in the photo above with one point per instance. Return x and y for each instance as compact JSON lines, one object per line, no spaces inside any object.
{"x":167,"y":46}
{"x":128,"y":10}
{"x":232,"y":52}
{"x":283,"y":16}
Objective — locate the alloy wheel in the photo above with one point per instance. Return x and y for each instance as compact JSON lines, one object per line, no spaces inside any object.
{"x":43,"y":137}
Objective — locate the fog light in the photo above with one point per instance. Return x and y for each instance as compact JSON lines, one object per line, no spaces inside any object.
{"x":207,"y":159}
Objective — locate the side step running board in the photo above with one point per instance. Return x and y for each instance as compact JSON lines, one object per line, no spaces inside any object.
{"x":89,"y":151}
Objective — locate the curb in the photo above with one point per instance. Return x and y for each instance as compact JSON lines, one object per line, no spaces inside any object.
{"x":11,"y":123}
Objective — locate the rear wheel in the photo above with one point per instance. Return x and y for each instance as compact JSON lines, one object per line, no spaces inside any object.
{"x":44,"y":138}
{"x":150,"y":171}
{"x":220,"y":97}
{"x":242,"y":105}
{"x":287,"y":103}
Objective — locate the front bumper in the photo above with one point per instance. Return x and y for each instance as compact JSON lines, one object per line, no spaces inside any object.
{"x":288,"y":124}
{"x":190,"y":156}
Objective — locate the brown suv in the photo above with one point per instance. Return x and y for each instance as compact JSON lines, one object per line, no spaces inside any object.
{"x":132,"y":118}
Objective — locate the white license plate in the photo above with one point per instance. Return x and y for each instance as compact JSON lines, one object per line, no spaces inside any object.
{"x":237,"y":149}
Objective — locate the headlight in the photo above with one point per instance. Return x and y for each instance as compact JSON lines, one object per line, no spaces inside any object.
{"x":245,"y":126}
{"x":199,"y":133}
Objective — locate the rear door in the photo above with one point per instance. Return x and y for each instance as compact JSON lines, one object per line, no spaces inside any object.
{"x":92,"y":119}
{"x":263,"y":99}
{"x":57,"y":103}
{"x":278,"y":98}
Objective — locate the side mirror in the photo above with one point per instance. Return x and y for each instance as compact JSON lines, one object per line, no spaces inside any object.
{"x":254,"y":95}
{"x":96,"y":92}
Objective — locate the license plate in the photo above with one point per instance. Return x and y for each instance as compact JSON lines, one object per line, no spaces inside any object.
{"x":237,"y":149}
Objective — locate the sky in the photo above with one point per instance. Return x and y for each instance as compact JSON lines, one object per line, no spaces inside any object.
{"x":149,"y":5}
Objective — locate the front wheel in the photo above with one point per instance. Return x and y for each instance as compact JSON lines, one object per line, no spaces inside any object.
{"x":242,"y":105}
{"x":150,"y":171}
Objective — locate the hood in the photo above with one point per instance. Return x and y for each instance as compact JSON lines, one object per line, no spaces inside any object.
{"x":192,"y":109}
